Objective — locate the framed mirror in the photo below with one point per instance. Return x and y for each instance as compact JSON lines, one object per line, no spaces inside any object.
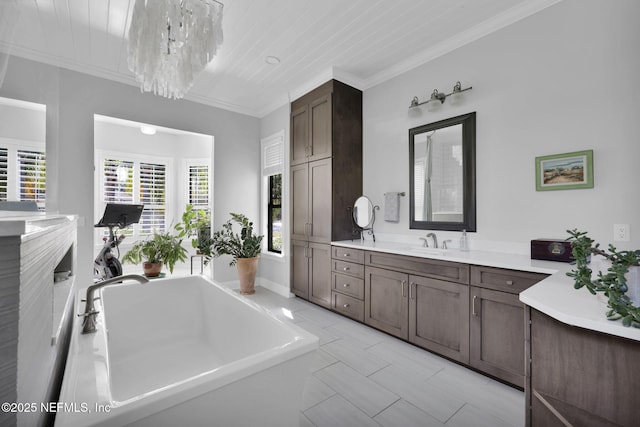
{"x":442,"y":175}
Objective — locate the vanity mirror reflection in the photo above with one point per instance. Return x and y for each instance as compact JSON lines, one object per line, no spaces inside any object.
{"x":364,"y":215}
{"x":442,"y":175}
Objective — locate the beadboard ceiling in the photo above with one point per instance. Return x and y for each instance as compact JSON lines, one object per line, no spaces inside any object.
{"x":361,"y":42}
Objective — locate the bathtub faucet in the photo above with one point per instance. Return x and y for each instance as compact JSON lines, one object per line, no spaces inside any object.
{"x":90,"y":313}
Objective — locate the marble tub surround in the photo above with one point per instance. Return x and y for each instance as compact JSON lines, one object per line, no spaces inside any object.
{"x":35,"y":311}
{"x":554,"y":296}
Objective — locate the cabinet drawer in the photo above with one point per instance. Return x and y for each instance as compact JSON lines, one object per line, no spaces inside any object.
{"x":348,"y":254}
{"x":348,"y":306}
{"x":348,"y":285}
{"x":445,"y":270}
{"x":512,"y":281}
{"x":349,"y":268}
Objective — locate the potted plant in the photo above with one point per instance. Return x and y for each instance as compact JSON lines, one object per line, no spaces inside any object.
{"x":153,"y":252}
{"x":244,"y":247}
{"x":196,"y":223}
{"x":615,"y":283}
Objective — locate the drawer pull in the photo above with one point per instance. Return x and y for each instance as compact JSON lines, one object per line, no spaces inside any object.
{"x":347,"y":255}
{"x":404,"y":292}
{"x":346,"y":305}
{"x":509,"y":282}
{"x":346,"y":268}
{"x":473,"y":305}
{"x":345,"y":285}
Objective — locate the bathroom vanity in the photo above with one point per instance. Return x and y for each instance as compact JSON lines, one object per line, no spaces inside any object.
{"x":461,"y":305}
{"x":582,"y":368}
{"x":514,"y":318}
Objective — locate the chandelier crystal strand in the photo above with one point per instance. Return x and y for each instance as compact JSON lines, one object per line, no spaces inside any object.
{"x":171,"y":41}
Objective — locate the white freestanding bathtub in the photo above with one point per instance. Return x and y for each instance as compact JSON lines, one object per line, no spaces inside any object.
{"x":183,"y":352}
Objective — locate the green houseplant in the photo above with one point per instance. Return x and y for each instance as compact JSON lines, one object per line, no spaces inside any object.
{"x":244,"y":247}
{"x":154,"y":251}
{"x":196,"y":224}
{"x":614,"y":283}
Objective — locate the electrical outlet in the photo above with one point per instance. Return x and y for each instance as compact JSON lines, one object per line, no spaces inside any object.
{"x":621,"y":233}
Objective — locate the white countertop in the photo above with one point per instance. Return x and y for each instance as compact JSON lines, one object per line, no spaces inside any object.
{"x":555,"y":296}
{"x":21,"y":223}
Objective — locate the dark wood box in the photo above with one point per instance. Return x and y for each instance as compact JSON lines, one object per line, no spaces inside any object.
{"x":551,"y":250}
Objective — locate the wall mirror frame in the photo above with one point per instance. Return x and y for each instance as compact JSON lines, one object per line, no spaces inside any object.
{"x":435,"y":200}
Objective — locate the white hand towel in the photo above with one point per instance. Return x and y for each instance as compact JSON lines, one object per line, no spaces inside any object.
{"x":392,"y":207}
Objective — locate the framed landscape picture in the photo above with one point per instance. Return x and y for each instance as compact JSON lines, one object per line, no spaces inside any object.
{"x":565,"y":171}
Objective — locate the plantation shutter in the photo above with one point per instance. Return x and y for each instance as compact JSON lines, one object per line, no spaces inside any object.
{"x":32,"y":170}
{"x":272,"y":158}
{"x":118,"y":181}
{"x":199,"y":187}
{"x":4,"y":173}
{"x":153,"y":197}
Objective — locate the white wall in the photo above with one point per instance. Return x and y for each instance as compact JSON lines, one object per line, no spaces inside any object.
{"x":565,"y":79}
{"x":73,"y":98}
{"x":273,"y":272}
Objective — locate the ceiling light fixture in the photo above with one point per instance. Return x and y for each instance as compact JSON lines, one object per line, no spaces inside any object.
{"x":440,"y":97}
{"x":148,"y":130}
{"x":171,"y":41}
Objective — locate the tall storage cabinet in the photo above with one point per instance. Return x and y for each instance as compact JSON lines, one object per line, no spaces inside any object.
{"x":326,"y":178}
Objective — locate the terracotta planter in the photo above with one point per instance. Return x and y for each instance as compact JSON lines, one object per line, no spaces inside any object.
{"x":152,"y":270}
{"x":247,"y":268}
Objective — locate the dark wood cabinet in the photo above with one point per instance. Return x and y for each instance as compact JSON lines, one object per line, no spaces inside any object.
{"x":347,"y":282}
{"x":325,"y":178}
{"x":579,"y":377}
{"x":439,"y":317}
{"x":311,"y":201}
{"x":311,"y":271}
{"x":497,"y":321}
{"x":386,"y":306}
{"x":497,"y":334}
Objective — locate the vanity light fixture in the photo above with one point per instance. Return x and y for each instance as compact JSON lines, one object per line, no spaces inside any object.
{"x":456,"y":97}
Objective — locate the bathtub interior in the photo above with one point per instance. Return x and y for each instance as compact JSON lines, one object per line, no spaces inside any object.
{"x":169,"y":331}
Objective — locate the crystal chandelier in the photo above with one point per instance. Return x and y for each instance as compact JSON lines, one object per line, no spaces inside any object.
{"x":171,"y":41}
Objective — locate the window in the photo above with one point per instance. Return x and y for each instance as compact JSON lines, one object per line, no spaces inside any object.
{"x":23,"y":174}
{"x":272,"y":166}
{"x":4,"y":173}
{"x":274,"y":214}
{"x":132,"y":181}
{"x":198,"y":186}
{"x":152,"y":196}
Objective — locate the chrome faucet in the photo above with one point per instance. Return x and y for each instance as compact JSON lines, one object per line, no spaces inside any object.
{"x":425,"y":243}
{"x":90,"y":313}
{"x":445,"y":244}
{"x":435,"y":239}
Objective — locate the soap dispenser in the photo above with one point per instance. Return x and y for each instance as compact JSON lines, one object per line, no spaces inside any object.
{"x":464,"y":243}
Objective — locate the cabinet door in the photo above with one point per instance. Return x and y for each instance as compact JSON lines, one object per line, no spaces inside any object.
{"x":320,"y":201}
{"x":320,"y":112}
{"x":385,"y":303}
{"x":497,"y":334}
{"x":439,"y":317}
{"x":300,"y":201}
{"x":300,"y":268}
{"x":320,"y":274}
{"x":299,"y":136}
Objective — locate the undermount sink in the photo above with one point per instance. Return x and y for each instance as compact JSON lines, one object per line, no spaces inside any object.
{"x":428,"y":251}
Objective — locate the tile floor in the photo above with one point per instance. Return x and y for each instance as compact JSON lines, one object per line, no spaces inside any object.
{"x":363,"y":377}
